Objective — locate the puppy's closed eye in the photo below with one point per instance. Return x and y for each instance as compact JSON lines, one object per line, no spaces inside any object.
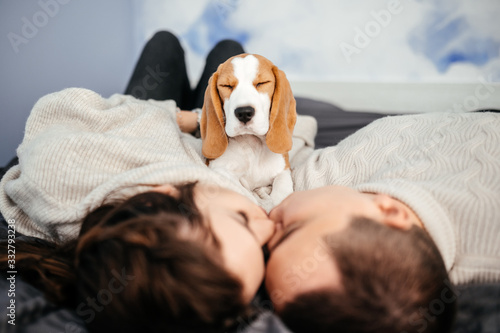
{"x":260,"y":84}
{"x":226,"y":86}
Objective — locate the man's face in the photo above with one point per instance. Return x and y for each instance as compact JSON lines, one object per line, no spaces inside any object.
{"x":300,"y":260}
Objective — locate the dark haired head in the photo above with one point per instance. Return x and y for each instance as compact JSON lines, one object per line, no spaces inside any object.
{"x":152,"y":264}
{"x":147,"y":264}
{"x":392,"y":281}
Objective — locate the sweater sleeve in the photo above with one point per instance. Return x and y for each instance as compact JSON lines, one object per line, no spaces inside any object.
{"x":304,"y":134}
{"x":444,"y":166}
{"x":78,"y":149}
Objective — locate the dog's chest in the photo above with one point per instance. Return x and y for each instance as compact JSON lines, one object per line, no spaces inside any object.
{"x":249,"y":159}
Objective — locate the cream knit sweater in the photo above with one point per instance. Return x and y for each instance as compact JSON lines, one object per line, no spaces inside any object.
{"x":445,"y":166}
{"x":81,"y":150}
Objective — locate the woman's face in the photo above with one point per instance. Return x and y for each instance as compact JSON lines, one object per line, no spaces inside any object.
{"x":240,"y":226}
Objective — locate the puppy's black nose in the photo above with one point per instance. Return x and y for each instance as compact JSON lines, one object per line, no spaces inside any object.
{"x":244,"y":113}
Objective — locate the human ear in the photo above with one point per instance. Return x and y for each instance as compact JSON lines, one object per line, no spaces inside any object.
{"x":168,"y":189}
{"x":394,"y":213}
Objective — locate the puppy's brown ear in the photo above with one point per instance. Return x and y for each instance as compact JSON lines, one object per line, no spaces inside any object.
{"x":283,"y":115}
{"x":212,"y":124}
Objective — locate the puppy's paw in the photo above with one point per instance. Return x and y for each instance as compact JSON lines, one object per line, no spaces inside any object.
{"x":282,"y":186}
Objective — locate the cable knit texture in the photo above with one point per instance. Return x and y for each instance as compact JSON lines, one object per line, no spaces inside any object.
{"x":445,"y":166}
{"x":81,"y":150}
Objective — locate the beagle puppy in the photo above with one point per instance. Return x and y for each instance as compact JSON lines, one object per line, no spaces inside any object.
{"x":247,"y":122}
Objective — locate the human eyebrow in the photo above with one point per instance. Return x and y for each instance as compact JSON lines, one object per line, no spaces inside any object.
{"x":244,"y":216}
{"x":246,"y":220}
{"x":290,"y":230}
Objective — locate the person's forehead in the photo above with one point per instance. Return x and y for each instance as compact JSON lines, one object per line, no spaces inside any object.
{"x":296,"y":270}
{"x":312,"y":230}
{"x":306,"y":246}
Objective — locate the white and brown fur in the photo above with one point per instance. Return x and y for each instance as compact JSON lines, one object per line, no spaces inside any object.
{"x":247,"y":124}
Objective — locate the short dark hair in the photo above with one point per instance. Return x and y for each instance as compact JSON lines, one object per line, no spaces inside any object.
{"x":392,"y":281}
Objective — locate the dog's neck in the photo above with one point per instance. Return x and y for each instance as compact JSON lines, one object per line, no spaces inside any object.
{"x":248,"y":158}
{"x":247,"y":139}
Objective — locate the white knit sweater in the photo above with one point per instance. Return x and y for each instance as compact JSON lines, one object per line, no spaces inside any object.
{"x":81,"y":150}
{"x":445,"y":166}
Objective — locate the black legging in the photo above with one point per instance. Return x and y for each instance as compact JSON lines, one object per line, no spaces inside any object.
{"x":160,"y":72}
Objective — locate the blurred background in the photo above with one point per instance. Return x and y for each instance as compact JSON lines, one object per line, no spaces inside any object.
{"x":373,"y":55}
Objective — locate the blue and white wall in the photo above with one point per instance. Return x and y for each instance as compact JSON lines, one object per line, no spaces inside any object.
{"x":342,"y":40}
{"x":406,"y":55}
{"x":49,"y":45}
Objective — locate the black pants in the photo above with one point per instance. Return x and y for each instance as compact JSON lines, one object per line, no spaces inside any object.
{"x":160,"y":72}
